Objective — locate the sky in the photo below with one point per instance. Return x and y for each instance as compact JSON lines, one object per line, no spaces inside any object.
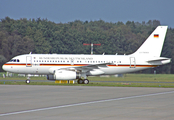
{"x":65,"y":11}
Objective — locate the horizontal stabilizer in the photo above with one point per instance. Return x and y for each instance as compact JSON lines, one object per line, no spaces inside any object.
{"x":159,"y":61}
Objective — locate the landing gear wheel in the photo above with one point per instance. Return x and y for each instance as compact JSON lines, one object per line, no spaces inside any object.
{"x":80,"y":81}
{"x":86,"y":81}
{"x":27,"y":81}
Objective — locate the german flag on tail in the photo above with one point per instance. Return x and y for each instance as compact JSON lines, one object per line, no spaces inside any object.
{"x":156,"y":36}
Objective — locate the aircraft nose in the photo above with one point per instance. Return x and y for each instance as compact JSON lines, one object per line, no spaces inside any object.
{"x":4,"y":67}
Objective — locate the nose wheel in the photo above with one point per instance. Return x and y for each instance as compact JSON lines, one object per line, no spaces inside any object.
{"x":81,"y":81}
{"x":27,"y":81}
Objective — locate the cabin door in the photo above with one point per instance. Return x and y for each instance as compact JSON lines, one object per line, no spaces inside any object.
{"x":28,"y":61}
{"x":132,"y":62}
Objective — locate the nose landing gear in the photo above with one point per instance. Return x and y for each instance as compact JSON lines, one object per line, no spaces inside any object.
{"x":28,"y":79}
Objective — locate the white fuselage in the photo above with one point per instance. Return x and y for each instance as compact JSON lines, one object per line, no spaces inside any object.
{"x":43,"y":63}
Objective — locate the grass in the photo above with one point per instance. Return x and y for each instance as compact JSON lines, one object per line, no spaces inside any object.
{"x":128,"y":80}
{"x":139,"y":77}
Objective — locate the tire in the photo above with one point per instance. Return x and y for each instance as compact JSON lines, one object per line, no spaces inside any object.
{"x":80,"y":81}
{"x":86,"y":81}
{"x":27,"y":81}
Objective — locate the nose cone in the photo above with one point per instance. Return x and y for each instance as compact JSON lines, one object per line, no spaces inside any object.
{"x":5,"y":68}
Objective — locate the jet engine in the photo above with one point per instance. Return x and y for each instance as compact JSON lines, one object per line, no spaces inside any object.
{"x":64,"y":75}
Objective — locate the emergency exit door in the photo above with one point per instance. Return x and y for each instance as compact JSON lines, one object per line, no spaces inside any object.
{"x":28,"y":61}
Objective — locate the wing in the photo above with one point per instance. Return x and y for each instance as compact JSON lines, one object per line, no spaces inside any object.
{"x":91,"y":67}
{"x":83,"y":69}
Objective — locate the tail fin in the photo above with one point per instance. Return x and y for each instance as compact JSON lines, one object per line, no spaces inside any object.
{"x":154,"y":43}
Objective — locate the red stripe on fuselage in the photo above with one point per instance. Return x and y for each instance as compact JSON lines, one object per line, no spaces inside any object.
{"x":16,"y":64}
{"x":69,"y":65}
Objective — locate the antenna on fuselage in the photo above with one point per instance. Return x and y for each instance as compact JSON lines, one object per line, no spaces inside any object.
{"x":30,"y":53}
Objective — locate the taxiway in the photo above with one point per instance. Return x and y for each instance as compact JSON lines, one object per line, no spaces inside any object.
{"x":19,"y":102}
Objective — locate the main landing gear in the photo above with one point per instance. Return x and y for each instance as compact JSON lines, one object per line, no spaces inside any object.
{"x":83,"y":81}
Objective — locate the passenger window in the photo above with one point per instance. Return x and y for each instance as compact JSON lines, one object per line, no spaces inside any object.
{"x":17,"y":60}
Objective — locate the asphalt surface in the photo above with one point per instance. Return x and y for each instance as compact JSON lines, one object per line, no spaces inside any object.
{"x":31,"y":102}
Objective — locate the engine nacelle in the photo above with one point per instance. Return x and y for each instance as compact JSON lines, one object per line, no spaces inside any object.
{"x":64,"y":75}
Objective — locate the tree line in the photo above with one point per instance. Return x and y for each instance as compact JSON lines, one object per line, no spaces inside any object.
{"x":43,"y":36}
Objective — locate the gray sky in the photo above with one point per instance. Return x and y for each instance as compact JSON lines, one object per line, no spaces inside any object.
{"x":108,"y":10}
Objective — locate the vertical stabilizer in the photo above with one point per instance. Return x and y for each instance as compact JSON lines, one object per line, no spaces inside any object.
{"x":154,"y":43}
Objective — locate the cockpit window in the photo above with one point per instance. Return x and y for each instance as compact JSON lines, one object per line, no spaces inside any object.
{"x":14,"y":60}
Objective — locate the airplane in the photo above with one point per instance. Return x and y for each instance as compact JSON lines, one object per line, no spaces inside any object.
{"x":79,"y":66}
